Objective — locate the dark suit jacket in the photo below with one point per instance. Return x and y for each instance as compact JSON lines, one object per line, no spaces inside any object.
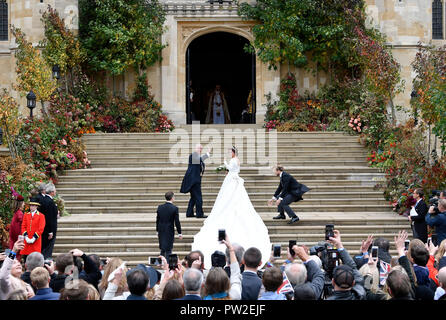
{"x":289,"y":185}
{"x":195,"y":170}
{"x":166,"y":216}
{"x":50,"y":212}
{"x":190,"y":297}
{"x":315,"y":279}
{"x":251,"y":284}
{"x":419,"y":222}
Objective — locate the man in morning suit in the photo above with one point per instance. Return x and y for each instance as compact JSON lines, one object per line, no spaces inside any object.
{"x":418,"y":222}
{"x":166,"y":216}
{"x":51,"y":212}
{"x":289,"y":191}
{"x":192,"y":182}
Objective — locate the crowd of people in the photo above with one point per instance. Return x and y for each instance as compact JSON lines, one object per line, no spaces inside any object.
{"x":326,"y":271}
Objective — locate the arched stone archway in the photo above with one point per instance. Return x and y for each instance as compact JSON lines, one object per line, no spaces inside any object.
{"x":220,"y":58}
{"x":173,"y":67}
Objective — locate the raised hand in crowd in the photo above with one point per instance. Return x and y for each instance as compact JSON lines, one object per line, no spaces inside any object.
{"x":431,"y":248}
{"x":399,"y":242}
{"x":366,"y":245}
{"x":301,"y":252}
{"x":77,"y":253}
{"x":197,"y":263}
{"x":50,"y":267}
{"x":336,"y":240}
{"x":19,"y":245}
{"x":118,"y":276}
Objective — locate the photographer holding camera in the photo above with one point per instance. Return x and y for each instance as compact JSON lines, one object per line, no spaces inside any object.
{"x":305,"y":277}
{"x":347,"y":281}
{"x":436,"y":217}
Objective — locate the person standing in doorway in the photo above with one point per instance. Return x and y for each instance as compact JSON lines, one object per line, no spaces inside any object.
{"x":218,"y":108}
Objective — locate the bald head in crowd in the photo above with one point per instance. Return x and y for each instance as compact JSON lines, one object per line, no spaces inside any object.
{"x":296,"y":273}
{"x":442,"y":277}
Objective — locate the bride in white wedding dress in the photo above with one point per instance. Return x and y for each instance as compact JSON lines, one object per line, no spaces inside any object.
{"x":234,"y":212}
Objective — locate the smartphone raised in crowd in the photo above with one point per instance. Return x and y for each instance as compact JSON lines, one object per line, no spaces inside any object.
{"x":329,"y":231}
{"x":221,"y":234}
{"x":154,"y":261}
{"x":292,"y":243}
{"x":406,"y":245}
{"x":276,"y":251}
{"x":374,"y":252}
{"x":173,"y":261}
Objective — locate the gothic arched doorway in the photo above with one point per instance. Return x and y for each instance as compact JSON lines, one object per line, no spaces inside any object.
{"x":219,"y":58}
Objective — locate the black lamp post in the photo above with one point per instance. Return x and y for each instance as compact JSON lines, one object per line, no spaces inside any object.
{"x":56,"y":72}
{"x":31,"y":102}
{"x":414,"y":95}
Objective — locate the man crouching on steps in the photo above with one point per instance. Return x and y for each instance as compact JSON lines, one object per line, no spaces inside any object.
{"x":289,"y":191}
{"x":166,"y":216}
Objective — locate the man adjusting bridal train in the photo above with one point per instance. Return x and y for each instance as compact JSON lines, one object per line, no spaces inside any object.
{"x":233,"y":212}
{"x":192,"y":181}
{"x":288,"y":191}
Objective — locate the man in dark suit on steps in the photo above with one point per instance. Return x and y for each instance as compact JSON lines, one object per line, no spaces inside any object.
{"x":51,"y":213}
{"x":418,"y":223}
{"x":166,"y":216}
{"x":192,"y":182}
{"x":289,"y":191}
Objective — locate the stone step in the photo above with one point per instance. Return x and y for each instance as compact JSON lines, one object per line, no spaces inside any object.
{"x":135,"y":163}
{"x":342,"y":208}
{"x":153,"y":203}
{"x":221,"y":149}
{"x":176,"y":185}
{"x":210,"y":171}
{"x":213,"y":177}
{"x":134,"y":257}
{"x":289,"y":151}
{"x":192,"y":230}
{"x":316,"y":219}
{"x":151,"y":241}
{"x":212,"y":195}
{"x":101,"y":156}
{"x":183,"y":137}
{"x":363,"y":190}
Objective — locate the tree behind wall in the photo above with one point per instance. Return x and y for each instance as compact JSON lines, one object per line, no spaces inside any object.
{"x":118,"y":35}
{"x":33,"y":72}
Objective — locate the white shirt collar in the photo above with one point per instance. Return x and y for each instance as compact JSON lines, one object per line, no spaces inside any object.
{"x":169,"y":201}
{"x":281,"y":174}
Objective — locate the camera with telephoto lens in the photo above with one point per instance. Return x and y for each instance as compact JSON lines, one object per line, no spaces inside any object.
{"x":433,"y":201}
{"x":218,"y":259}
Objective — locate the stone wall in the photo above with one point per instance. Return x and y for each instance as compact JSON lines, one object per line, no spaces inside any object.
{"x":26,"y":15}
{"x":405,"y":23}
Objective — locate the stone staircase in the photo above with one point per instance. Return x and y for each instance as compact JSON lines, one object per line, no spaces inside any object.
{"x":113,"y":204}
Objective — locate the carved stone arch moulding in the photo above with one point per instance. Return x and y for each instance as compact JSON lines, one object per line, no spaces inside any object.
{"x":190,"y":33}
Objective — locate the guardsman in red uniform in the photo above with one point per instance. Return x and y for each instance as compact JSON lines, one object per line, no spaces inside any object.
{"x":32,"y":228}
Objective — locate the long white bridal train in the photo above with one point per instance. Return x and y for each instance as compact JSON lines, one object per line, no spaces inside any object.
{"x":234,"y":212}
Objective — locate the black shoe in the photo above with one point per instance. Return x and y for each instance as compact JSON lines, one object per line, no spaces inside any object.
{"x":202,"y":217}
{"x":190,"y":216}
{"x":279,"y":217}
{"x":295,"y":219}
